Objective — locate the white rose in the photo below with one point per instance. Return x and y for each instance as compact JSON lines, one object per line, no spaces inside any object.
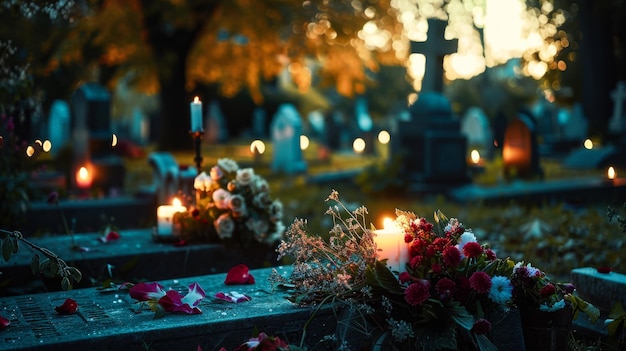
{"x":220,"y":197}
{"x":228,"y":165}
{"x":216,"y":173}
{"x":237,"y":204}
{"x":224,"y":225}
{"x":245,"y":176}
{"x":259,"y":185}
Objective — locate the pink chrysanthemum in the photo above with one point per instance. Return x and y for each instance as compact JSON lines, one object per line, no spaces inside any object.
{"x":472,"y":249}
{"x":404,"y":277}
{"x":480,"y":282}
{"x":416,"y":293}
{"x":451,"y":256}
{"x":415,"y":261}
{"x":481,"y":326}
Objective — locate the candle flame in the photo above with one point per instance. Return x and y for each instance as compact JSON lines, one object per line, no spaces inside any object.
{"x":196,"y":100}
{"x":83,"y":173}
{"x":358,"y":145}
{"x":611,"y":173}
{"x":257,"y":145}
{"x":304,"y":142}
{"x":388,"y":222}
{"x":47,"y":146}
{"x":475,"y":156}
{"x":176,"y":202}
{"x":588,"y":144}
{"x":30,"y":151}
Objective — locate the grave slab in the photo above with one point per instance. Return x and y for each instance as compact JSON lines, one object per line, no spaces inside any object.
{"x":603,"y":290}
{"x":575,"y":190}
{"x":107,"y":321}
{"x":134,"y":256}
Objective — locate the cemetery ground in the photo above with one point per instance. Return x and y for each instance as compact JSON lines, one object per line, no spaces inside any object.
{"x":558,"y":235}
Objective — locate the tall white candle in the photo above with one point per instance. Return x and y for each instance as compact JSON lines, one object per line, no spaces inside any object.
{"x":165,"y":216}
{"x":196,"y":115}
{"x":391,"y":245}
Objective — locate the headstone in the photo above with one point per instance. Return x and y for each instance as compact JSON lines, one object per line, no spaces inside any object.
{"x":139,"y":129}
{"x":431,"y":143}
{"x":477,"y":129}
{"x":520,"y":153}
{"x":286,"y":128}
{"x":259,"y":129}
{"x":434,"y":48}
{"x":165,"y":176}
{"x":59,"y":125}
{"x":575,"y":124}
{"x":617,"y":125}
{"x":317,"y":123}
{"x":92,"y":136}
{"x":602,"y":290}
{"x":216,"y":130}
{"x":364,"y":124}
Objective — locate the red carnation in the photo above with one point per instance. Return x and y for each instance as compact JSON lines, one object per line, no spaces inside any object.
{"x":547,"y":290}
{"x":472,"y":249}
{"x":491,"y":255}
{"x":480,"y":282}
{"x":451,"y":256}
{"x":416,"y":293}
{"x":481,"y":326}
{"x":408,"y":238}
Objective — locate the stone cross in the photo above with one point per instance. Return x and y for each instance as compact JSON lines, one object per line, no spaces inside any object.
{"x":618,"y":122}
{"x":434,"y":48}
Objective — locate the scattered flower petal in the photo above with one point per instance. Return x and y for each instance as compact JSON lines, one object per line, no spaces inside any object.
{"x":4,"y":322}
{"x":68,"y":307}
{"x":146,"y":291}
{"x":233,"y":297}
{"x":111,"y":236}
{"x":240,"y":274}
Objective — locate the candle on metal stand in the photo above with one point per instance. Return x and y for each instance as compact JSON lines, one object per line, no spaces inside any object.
{"x":196,"y":115}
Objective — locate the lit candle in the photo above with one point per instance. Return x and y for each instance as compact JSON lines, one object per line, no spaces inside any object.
{"x":391,"y":245}
{"x":165,"y":216}
{"x":611,"y":174}
{"x":196,"y":115}
{"x":83,"y":178}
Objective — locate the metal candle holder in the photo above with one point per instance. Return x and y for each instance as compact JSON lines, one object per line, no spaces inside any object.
{"x":197,"y":141}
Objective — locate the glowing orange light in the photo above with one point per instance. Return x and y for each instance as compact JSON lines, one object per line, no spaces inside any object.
{"x":611,"y":173}
{"x":83,"y":178}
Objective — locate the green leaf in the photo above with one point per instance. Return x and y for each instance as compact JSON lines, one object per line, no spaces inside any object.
{"x":382,"y":276}
{"x":16,"y":245}
{"x":75,"y":273}
{"x":34,"y":264}
{"x":615,"y":326}
{"x":460,"y":315}
{"x":65,"y":284}
{"x":7,"y":249}
{"x":484,"y":344}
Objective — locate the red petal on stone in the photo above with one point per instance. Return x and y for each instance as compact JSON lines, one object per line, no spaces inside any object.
{"x":604,"y":269}
{"x":240,"y":274}
{"x":4,"y":322}
{"x":68,"y":307}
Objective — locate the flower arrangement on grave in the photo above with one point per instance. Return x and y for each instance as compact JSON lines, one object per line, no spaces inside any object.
{"x":446,"y":296}
{"x":233,"y":205}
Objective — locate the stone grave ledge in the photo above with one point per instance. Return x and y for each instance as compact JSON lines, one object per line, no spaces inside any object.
{"x":136,"y":255}
{"x":602,"y":290}
{"x":588,"y":189}
{"x":137,"y":211}
{"x":107,"y":321}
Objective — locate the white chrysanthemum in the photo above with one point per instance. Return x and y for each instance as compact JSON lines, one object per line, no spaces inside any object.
{"x":555,"y":306}
{"x":501,"y":290}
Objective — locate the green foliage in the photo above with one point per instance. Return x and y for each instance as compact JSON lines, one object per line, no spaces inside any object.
{"x":44,"y":261}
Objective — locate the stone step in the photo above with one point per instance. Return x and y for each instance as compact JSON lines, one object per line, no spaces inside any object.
{"x":136,"y":255}
{"x":107,"y":321}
